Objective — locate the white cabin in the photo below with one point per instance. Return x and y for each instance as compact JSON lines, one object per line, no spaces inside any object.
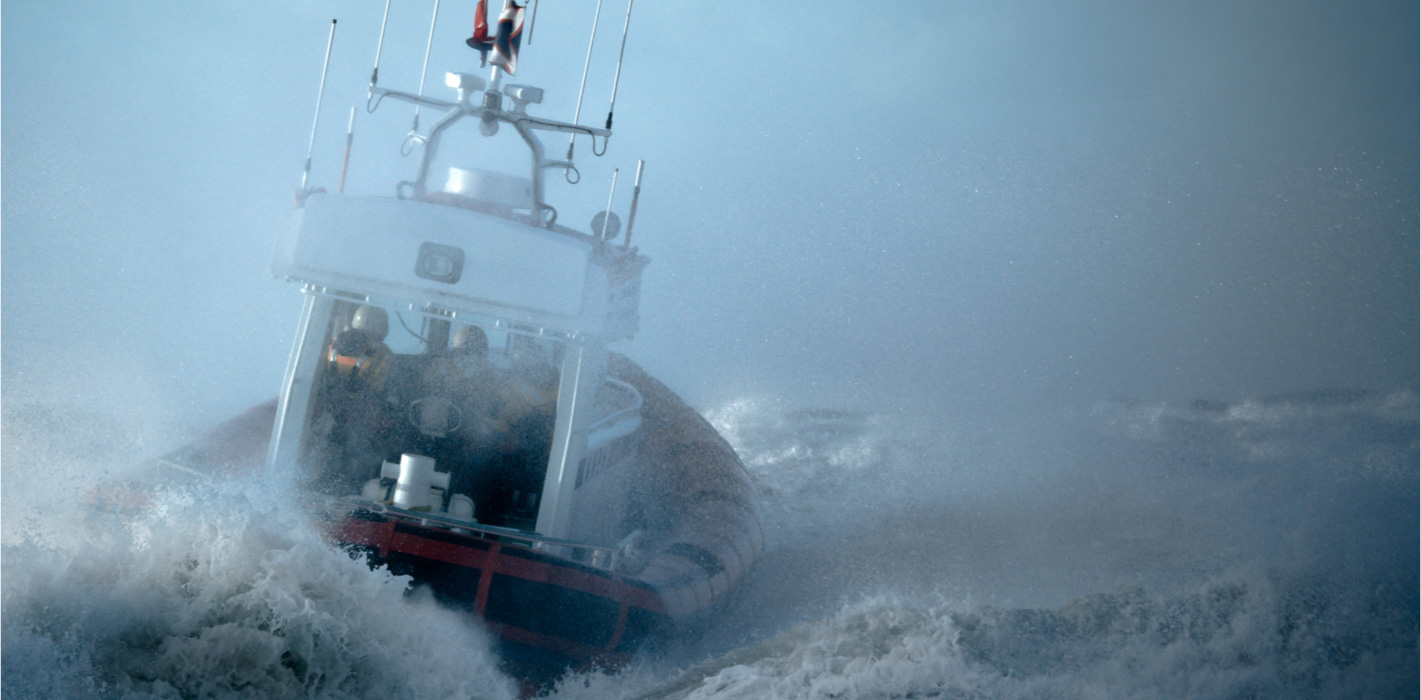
{"x":480,"y":250}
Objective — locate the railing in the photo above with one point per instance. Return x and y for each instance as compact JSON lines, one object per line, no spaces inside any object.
{"x":624,"y":421}
{"x":489,"y":112}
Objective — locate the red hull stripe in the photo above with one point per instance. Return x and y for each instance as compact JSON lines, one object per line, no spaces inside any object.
{"x":486,"y":578}
{"x":384,"y":538}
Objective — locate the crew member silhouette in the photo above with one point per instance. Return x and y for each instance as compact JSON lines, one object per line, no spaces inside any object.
{"x":359,"y":353}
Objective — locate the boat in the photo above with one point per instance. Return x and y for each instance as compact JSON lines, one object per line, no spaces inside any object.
{"x":452,"y":410}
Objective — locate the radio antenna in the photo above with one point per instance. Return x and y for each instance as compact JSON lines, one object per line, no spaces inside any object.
{"x":631,"y":216}
{"x":311,"y":147}
{"x":379,"y":45}
{"x":607,"y":215}
{"x":532,"y":19}
{"x":578,"y":112}
{"x":618,"y":77}
{"x":350,"y":137}
{"x":414,"y":130}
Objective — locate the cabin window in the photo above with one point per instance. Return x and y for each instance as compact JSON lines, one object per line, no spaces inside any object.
{"x":481,"y":402}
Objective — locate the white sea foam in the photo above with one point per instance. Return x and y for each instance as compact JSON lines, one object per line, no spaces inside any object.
{"x":1166,"y":555}
{"x":1238,"y":637}
{"x":225,"y":591}
{"x":1157,"y":553}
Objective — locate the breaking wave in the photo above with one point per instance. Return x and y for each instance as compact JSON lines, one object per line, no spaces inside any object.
{"x":1250,"y":637}
{"x":1258,"y":549}
{"x":225,"y":592}
{"x":1253,"y":549}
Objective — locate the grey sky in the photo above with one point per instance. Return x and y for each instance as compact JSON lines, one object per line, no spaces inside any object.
{"x":846,"y":203}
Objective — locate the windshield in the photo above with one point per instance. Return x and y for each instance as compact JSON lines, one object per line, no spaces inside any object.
{"x":481,"y":402}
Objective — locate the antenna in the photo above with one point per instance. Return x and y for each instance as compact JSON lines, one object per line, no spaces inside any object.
{"x":414,"y":130}
{"x":618,"y":77}
{"x":311,"y":147}
{"x":379,"y":45}
{"x":631,"y":216}
{"x":350,"y":137}
{"x":578,"y":112}
{"x":607,"y":220}
{"x":532,"y":18}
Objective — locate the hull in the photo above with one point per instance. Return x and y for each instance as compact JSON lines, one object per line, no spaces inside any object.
{"x":694,"y":501}
{"x":536,"y":600}
{"x":691,"y":501}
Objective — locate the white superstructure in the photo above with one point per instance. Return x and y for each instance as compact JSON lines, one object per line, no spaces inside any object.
{"x":483,"y":249}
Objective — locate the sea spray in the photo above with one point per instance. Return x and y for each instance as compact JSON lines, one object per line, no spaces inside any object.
{"x":1243,"y":635}
{"x":222,"y":590}
{"x":1262,"y":548}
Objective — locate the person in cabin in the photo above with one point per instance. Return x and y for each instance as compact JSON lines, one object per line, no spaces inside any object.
{"x":471,"y":341}
{"x":473,"y":453}
{"x":526,"y":411}
{"x":477,"y":379}
{"x":359,"y":354}
{"x":464,"y":375}
{"x":527,"y":396}
{"x":498,"y":455}
{"x":361,"y":427}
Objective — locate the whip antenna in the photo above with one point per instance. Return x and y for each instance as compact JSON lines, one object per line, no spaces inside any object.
{"x":311,"y":147}
{"x":636,"y":194}
{"x":350,"y":137}
{"x":532,"y":19}
{"x":607,"y":215}
{"x":375,"y":73}
{"x":618,"y":76}
{"x":414,"y":130}
{"x":578,"y":112}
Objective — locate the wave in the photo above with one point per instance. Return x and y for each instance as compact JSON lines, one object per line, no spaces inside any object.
{"x":1207,"y":550}
{"x":1251,"y":636}
{"x":226,"y":592}
{"x":1366,"y":434}
{"x":1261,"y":548}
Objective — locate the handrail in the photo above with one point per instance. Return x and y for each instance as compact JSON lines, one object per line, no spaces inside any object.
{"x":489,"y":109}
{"x":476,"y":110}
{"x":615,"y":416}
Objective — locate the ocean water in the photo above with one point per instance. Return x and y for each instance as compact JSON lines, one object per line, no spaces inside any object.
{"x":1254,"y":549}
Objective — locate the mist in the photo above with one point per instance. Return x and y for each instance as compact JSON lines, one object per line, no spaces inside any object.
{"x":971,"y":203}
{"x":980,"y":223}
